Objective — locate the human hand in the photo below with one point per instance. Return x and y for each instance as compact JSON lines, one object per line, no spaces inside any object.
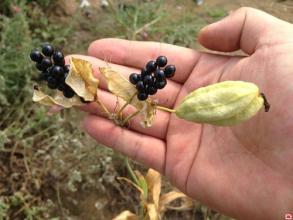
{"x":244,"y":171}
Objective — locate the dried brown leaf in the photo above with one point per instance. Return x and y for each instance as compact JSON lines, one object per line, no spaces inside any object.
{"x":81,"y":79}
{"x":152,"y":212}
{"x":122,"y":88}
{"x":126,"y":215}
{"x":169,"y":197}
{"x":57,"y":99}
{"x":153,"y":179}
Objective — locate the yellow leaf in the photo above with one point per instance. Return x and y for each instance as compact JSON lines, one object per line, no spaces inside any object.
{"x":122,"y":88}
{"x":81,"y":79}
{"x":57,"y":99}
{"x":126,"y":215}
{"x":153,"y":179}
{"x":152,"y":212}
{"x":169,"y":197}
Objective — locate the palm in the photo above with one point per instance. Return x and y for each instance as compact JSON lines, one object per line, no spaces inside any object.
{"x":229,"y":168}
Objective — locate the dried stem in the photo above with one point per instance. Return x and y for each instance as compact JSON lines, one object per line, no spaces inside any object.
{"x":165,"y":109}
{"x":129,"y":117}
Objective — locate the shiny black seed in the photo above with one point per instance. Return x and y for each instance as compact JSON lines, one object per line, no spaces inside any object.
{"x":57,"y":71}
{"x":47,"y":50}
{"x":161,"y":61}
{"x":40,"y":67}
{"x":134,"y":78}
{"x":169,"y":71}
{"x":142,"y":96}
{"x":61,"y":86}
{"x":58,"y":58}
{"x":46,"y":63}
{"x":36,"y":56}
{"x":140,"y":86}
{"x":159,"y":74}
{"x":68,"y":92}
{"x":148,"y":80}
{"x":160,"y":84}
{"x":151,"y":66}
{"x":66,"y":68}
{"x":144,"y":72}
{"x":52,"y":82}
{"x":44,"y":75}
{"x":151,"y":90}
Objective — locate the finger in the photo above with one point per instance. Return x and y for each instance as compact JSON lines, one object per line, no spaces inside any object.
{"x":159,"y":125}
{"x":166,"y":96}
{"x":143,"y":148}
{"x":246,"y":29}
{"x":138,"y":53}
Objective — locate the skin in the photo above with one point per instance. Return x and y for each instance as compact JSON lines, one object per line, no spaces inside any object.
{"x":244,"y":171}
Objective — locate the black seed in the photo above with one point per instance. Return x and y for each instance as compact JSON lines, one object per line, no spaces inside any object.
{"x":151,"y":90}
{"x":134,"y":78}
{"x":161,"y":61}
{"x":144,"y":72}
{"x":61,"y":86}
{"x":40,"y":67}
{"x":148,"y":80}
{"x":36,"y":56}
{"x":46,"y":63}
{"x":142,"y":96}
{"x":44,"y":75}
{"x":140,"y":86}
{"x":68,"y":92}
{"x":66,"y":68}
{"x":52,"y":82}
{"x":169,"y":71}
{"x":47,"y":50}
{"x":151,"y":66}
{"x":160,"y":84}
{"x":57,"y":70}
{"x":159,"y":74}
{"x":58,"y":58}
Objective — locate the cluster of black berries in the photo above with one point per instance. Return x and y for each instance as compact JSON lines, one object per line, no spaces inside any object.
{"x":152,"y":77}
{"x":51,"y":64}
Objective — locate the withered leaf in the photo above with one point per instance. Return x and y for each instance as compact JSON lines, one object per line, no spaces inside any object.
{"x":81,"y":79}
{"x":122,"y":88}
{"x":57,"y":99}
{"x":126,"y":215}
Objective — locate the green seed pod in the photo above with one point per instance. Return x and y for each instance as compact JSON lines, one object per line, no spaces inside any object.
{"x":224,"y":104}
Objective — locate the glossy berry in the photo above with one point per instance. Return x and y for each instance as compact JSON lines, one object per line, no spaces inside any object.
{"x":151,"y":66}
{"x":142,"y":96}
{"x":40,"y":67}
{"x":68,"y":92}
{"x":148,"y":80}
{"x":52,"y":82}
{"x":144,"y":72}
{"x":151,"y":90}
{"x":57,"y":70}
{"x":61,"y":86}
{"x":160,"y":84}
{"x":36,"y":56}
{"x":134,"y":78}
{"x":46,"y":63}
{"x":47,"y":50}
{"x":58,"y":58}
{"x":44,"y":75}
{"x":66,"y":68}
{"x":161,"y":61}
{"x":159,"y":74}
{"x":169,"y":71}
{"x":140,"y":86}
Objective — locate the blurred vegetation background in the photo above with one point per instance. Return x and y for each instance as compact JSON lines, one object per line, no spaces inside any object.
{"x":49,"y":168}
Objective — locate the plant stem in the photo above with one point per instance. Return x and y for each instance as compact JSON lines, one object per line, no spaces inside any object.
{"x":166,"y":109}
{"x":129,"y":117}
{"x":126,"y":103}
{"x":130,"y":171}
{"x":103,"y":107}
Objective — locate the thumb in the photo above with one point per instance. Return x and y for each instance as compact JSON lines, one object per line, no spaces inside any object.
{"x":246,"y":29}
